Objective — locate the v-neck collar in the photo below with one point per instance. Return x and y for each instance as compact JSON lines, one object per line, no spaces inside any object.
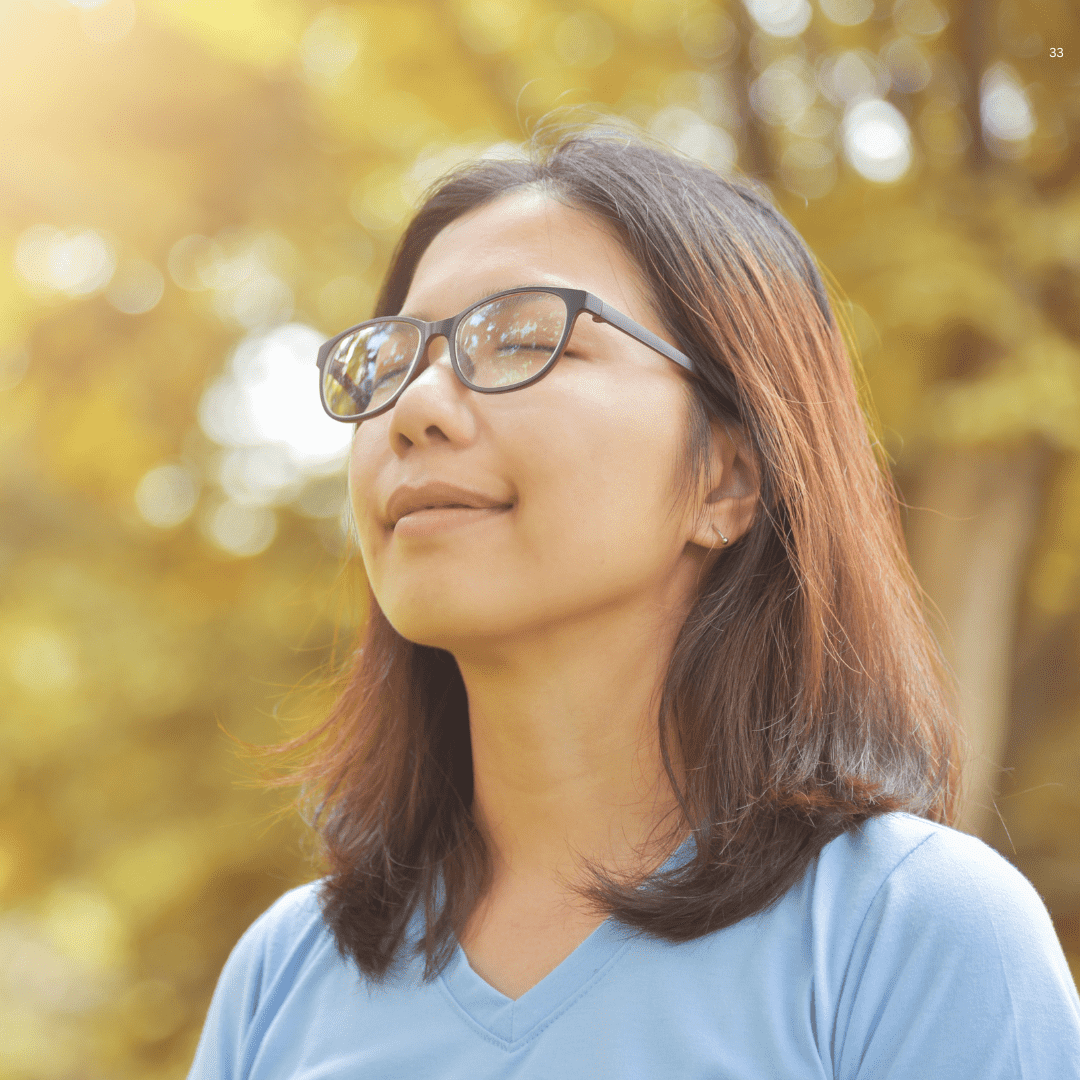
{"x":511,"y":1022}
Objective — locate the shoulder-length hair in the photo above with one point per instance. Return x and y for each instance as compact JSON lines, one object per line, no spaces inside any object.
{"x":804,"y":693}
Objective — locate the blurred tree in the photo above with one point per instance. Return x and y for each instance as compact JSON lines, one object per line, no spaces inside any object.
{"x":193,"y":193}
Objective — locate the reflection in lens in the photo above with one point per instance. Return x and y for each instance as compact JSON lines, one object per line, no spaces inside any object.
{"x":367,"y":368}
{"x":509,"y":340}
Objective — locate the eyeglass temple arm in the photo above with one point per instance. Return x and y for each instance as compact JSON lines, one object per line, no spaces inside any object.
{"x":602,"y":312}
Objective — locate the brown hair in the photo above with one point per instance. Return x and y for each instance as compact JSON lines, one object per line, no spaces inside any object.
{"x":804,"y":693}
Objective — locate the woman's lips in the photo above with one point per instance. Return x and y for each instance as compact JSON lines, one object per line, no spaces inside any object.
{"x":442,"y":518}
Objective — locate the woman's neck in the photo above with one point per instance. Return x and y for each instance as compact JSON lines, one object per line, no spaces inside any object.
{"x":566,"y":756}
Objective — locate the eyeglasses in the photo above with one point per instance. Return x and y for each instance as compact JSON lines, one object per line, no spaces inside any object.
{"x":502,"y":343}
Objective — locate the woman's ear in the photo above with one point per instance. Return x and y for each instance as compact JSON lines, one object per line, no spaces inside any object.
{"x":730,"y":505}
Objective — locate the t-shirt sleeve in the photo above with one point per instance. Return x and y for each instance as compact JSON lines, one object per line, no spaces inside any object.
{"x":254,"y":973}
{"x":956,"y":974}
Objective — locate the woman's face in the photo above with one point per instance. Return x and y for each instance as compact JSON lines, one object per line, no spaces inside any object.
{"x":584,"y":458}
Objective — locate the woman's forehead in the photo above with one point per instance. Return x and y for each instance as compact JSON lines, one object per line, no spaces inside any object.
{"x":525,"y":237}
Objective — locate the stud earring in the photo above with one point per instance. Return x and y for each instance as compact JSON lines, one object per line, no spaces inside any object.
{"x":723,"y":538}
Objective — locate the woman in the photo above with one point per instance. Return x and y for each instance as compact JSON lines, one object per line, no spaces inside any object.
{"x":644,"y":768}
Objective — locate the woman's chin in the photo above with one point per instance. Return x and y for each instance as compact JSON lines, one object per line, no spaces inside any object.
{"x":451,"y":631}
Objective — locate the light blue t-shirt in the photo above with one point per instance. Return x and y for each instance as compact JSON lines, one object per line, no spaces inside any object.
{"x":907,"y":951}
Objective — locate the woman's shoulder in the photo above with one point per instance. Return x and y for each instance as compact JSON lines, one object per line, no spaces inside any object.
{"x":285,"y":933}
{"x":912,"y":870}
{"x":258,"y":976}
{"x":926,"y":862}
{"x":291,"y":915}
{"x":888,"y":839}
{"x":299,"y":906}
{"x":931,"y":941}
{"x":903,"y":893}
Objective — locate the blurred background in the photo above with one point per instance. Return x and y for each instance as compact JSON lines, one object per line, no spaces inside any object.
{"x":195,"y":193}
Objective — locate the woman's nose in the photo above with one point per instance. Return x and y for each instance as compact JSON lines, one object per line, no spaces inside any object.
{"x":436,"y":351}
{"x":438,"y":348}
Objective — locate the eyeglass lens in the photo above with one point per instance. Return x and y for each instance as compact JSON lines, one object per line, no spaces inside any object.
{"x":501,"y":343}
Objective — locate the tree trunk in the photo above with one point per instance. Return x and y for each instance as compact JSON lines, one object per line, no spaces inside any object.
{"x":972,"y":518}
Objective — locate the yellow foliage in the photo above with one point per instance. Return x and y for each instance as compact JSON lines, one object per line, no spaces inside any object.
{"x":263,"y":33}
{"x":82,"y":925}
{"x":95,"y":443}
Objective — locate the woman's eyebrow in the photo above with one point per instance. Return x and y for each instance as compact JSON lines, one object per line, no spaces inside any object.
{"x":424,"y":316}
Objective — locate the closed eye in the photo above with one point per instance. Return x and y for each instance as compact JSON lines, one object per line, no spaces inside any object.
{"x":531,"y":347}
{"x":392,"y":374}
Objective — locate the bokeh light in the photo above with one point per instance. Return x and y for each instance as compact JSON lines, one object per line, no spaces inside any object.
{"x":907,"y":64}
{"x":75,"y":263}
{"x":167,"y":495}
{"x":783,"y":91}
{"x":191,"y":260}
{"x":583,"y":39}
{"x":708,"y":34}
{"x":14,"y":363}
{"x":246,"y":272}
{"x":685,"y":130}
{"x":847,"y":12}
{"x":265,"y":413}
{"x":781,"y":18}
{"x":43,"y":660}
{"x":851,"y":76}
{"x":329,"y":45}
{"x":877,"y":141}
{"x":1005,"y":110}
{"x":921,"y":18}
{"x":269,"y":396}
{"x":240,"y":529}
{"x":136,"y":287}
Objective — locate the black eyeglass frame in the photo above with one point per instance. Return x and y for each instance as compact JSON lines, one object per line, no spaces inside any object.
{"x":576,"y":300}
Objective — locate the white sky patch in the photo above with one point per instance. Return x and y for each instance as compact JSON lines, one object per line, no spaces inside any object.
{"x":265,"y":410}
